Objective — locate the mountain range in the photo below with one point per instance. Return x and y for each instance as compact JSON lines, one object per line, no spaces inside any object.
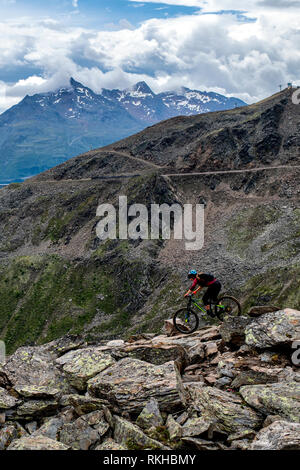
{"x":44,"y":130}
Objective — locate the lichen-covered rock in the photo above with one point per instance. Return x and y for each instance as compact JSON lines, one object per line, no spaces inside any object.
{"x":7,"y":401}
{"x":202,"y":444}
{"x":251,"y":377}
{"x":35,"y":366}
{"x":9,"y":433}
{"x":35,"y":408}
{"x":110,"y":444}
{"x":196,"y":426}
{"x":52,"y":426}
{"x":131,"y":436}
{"x":63,"y":345}
{"x":36,"y":443}
{"x":37,"y":391}
{"x":274,"y":329}
{"x":232,"y":330}
{"x":82,"y":404}
{"x":280,"y":435}
{"x":174,"y":428}
{"x":278,"y":398}
{"x":130,"y":383}
{"x":85,"y":431}
{"x":83,"y":364}
{"x":150,"y":415}
{"x":226,"y":409}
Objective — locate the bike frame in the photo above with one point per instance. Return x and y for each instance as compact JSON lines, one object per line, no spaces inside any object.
{"x":194,"y":302}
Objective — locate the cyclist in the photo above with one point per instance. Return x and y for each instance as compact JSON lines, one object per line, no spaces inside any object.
{"x":202,"y":280}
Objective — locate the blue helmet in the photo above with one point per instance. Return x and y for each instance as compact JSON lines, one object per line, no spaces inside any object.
{"x":192,"y":273}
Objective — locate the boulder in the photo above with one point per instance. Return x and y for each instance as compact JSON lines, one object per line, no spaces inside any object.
{"x":7,"y":401}
{"x":130,"y":383}
{"x":232,"y":330}
{"x":131,"y":436}
{"x":37,"y":391}
{"x":36,"y":443}
{"x":85,"y":431}
{"x":83,"y":364}
{"x":7,"y":434}
{"x":110,"y":444}
{"x":61,"y":346}
{"x":82,"y":404}
{"x":280,"y":435}
{"x":150,"y":415}
{"x":174,"y":428}
{"x":252,"y":377}
{"x":35,"y":366}
{"x":196,"y":353}
{"x":226,"y":409}
{"x":202,"y":444}
{"x":260,"y":310}
{"x":274,"y":329}
{"x":52,"y":426}
{"x":36,"y":408}
{"x":211,"y":348}
{"x":196,"y":426}
{"x":169,"y":328}
{"x":278,"y":398}
{"x":156,"y":354}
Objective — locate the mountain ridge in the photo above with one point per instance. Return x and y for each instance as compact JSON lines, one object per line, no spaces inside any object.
{"x":44,"y":130}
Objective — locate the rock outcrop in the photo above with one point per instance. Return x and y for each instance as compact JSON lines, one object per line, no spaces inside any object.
{"x":215,"y":389}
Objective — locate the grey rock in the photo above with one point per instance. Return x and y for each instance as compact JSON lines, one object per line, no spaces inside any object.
{"x":131,"y":436}
{"x":129,"y":384}
{"x":278,"y":398}
{"x":85,"y":431}
{"x":274,"y":329}
{"x":36,"y":443}
{"x":150,"y":415}
{"x":7,"y":401}
{"x":280,"y":435}
{"x":83,"y":364}
{"x":225,"y":409}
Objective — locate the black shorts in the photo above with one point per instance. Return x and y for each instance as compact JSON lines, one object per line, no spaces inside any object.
{"x":211,"y":295}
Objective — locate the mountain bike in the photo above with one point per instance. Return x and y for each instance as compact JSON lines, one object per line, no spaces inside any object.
{"x":187,"y":321}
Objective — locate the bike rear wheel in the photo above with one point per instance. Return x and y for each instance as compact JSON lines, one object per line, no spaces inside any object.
{"x":228,"y":306}
{"x":186,"y":321}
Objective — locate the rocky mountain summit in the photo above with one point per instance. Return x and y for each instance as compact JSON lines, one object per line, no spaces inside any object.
{"x":46,"y":129}
{"x":232,"y":386}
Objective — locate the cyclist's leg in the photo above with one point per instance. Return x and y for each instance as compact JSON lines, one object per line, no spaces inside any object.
{"x":206,"y":301}
{"x":211,"y":295}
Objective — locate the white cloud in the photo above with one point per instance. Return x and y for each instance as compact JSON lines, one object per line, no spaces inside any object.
{"x":212,"y":52}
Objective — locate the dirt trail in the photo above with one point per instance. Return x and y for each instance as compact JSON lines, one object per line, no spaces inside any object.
{"x":200,"y":173}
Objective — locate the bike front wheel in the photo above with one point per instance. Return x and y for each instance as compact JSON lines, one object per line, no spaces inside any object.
{"x":186,"y":321}
{"x":228,"y":306}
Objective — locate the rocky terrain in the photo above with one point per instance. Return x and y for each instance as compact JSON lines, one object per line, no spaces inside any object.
{"x":231,"y":386}
{"x":46,"y":129}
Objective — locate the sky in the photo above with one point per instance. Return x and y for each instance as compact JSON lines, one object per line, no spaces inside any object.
{"x":208,"y":45}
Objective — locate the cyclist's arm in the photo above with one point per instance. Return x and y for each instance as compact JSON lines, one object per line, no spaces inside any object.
{"x":197,"y":290}
{"x":190,"y":291}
